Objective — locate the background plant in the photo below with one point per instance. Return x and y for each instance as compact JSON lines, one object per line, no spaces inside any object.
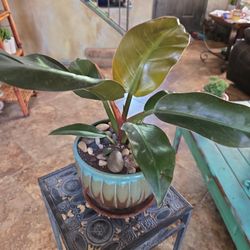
{"x":5,"y":34}
{"x":216,"y":86}
{"x":143,"y":59}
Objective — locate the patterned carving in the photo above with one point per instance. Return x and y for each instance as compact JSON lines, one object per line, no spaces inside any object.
{"x":84,"y":229}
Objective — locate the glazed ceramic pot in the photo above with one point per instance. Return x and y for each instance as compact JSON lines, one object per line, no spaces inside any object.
{"x":113,"y":193}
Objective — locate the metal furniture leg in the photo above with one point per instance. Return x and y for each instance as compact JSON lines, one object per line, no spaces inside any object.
{"x":54,"y":227}
{"x":182,"y":232}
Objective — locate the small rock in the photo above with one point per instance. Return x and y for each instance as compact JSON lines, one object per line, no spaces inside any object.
{"x":105,"y":141}
{"x":102,"y":126}
{"x":83,"y":146}
{"x":102,"y":163}
{"x":115,"y":162}
{"x":100,"y":146}
{"x":94,"y":146}
{"x":101,"y":157}
{"x":90,"y":151}
{"x":131,"y":170}
{"x":88,"y":140}
{"x":97,"y":141}
{"x":125,"y":152}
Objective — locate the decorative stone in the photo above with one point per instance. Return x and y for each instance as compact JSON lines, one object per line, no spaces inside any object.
{"x":102,"y":126}
{"x":131,"y":170}
{"x":125,"y":152}
{"x":101,"y":157}
{"x":115,"y":162}
{"x":83,"y":146}
{"x":102,"y":163}
{"x":90,"y":151}
{"x":94,"y":146}
{"x":88,"y":140}
{"x":97,"y":141}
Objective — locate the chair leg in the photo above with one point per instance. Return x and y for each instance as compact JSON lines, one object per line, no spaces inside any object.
{"x":22,"y":103}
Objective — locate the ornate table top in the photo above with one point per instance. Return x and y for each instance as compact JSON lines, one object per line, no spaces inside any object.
{"x":82,"y":228}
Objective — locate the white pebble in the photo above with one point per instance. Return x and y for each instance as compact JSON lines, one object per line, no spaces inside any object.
{"x":101,"y":157}
{"x":102,"y":163}
{"x":82,"y":145}
{"x":97,"y":141}
{"x":125,"y":152}
{"x":102,"y":126}
{"x":90,"y":151}
{"x":88,"y":140}
{"x":131,"y":170}
{"x":115,"y":161}
{"x":100,"y":146}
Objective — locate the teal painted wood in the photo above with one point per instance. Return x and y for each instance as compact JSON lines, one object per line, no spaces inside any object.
{"x":225,"y":171}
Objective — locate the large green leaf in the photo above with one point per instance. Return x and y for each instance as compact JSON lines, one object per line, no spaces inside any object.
{"x":154,"y":154}
{"x":39,"y":72}
{"x":223,"y":122}
{"x":84,"y":67}
{"x":79,"y":129}
{"x":147,"y":53}
{"x":150,"y":104}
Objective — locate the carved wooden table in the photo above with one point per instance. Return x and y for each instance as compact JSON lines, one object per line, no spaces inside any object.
{"x":79,"y":227}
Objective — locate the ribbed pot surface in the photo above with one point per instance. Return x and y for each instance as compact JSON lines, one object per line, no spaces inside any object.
{"x":111,"y":191}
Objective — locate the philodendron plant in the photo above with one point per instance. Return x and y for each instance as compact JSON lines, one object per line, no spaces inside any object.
{"x":144,"y":57}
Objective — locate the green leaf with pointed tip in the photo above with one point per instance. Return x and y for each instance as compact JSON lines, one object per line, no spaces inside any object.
{"x":87,"y":68}
{"x":84,"y":67}
{"x":156,"y":160}
{"x":79,"y":129}
{"x":147,"y":53}
{"x":39,"y":72}
{"x":150,"y":104}
{"x":223,"y":122}
{"x":86,"y":94}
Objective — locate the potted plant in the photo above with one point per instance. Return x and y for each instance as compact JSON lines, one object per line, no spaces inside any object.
{"x":217,"y":87}
{"x":4,"y":35}
{"x":124,"y":162}
{"x":7,"y":41}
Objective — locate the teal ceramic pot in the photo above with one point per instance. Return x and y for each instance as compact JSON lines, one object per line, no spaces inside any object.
{"x":112,"y":191}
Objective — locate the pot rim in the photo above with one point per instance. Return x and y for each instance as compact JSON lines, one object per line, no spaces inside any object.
{"x":109,"y":175}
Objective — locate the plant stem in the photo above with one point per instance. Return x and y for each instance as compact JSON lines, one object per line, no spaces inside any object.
{"x":118,"y":117}
{"x":111,"y":140}
{"x":110,"y":116}
{"x":126,"y":107}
